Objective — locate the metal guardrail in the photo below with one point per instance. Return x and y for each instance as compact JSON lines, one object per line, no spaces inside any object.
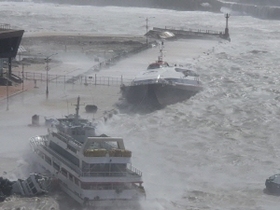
{"x":83,"y":78}
{"x":5,"y":26}
{"x":193,"y":30}
{"x":80,"y":79}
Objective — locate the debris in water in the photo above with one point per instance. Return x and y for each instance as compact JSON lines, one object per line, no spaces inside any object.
{"x":34,"y":185}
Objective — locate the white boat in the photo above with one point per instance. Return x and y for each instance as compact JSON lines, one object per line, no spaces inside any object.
{"x":162,"y":84}
{"x":93,"y":170}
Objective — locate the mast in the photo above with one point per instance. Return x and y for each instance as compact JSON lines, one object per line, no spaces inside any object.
{"x":77,"y":109}
{"x":160,"y":57}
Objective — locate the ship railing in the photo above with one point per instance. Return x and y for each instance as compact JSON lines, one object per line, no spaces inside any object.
{"x":129,"y":172}
{"x":5,"y":26}
{"x":104,"y":174}
{"x":113,"y":186}
{"x":134,"y":170}
{"x":104,"y":152}
{"x":37,"y":141}
{"x":67,"y":138}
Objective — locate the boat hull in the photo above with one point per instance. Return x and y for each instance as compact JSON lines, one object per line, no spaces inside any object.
{"x":273,"y":184}
{"x":135,"y":94}
{"x":171,"y":94}
{"x":141,"y":96}
{"x":159,"y":94}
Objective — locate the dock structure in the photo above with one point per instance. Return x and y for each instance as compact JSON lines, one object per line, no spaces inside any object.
{"x":189,"y":33}
{"x":9,"y":43}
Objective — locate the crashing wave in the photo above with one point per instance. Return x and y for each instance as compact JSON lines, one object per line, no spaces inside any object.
{"x":253,"y":8}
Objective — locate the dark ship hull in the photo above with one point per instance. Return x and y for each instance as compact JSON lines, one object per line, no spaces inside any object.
{"x":158,"y":95}
{"x":273,"y":184}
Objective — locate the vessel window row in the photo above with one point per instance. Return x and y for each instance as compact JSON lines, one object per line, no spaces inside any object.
{"x":67,"y":155}
{"x":56,"y":166}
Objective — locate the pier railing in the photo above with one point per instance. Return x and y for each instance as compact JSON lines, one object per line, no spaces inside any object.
{"x":191,"y":30}
{"x":191,"y":33}
{"x":79,"y":79}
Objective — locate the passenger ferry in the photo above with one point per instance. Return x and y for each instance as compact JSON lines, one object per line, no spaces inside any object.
{"x":162,"y":84}
{"x":93,"y":170}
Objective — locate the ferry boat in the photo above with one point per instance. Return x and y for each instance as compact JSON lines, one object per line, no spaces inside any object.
{"x":162,"y":84}
{"x":93,"y":170}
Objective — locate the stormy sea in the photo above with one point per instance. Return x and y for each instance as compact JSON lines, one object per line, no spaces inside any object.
{"x":213,"y":151}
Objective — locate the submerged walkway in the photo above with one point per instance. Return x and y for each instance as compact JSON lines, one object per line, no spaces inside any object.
{"x":13,"y":90}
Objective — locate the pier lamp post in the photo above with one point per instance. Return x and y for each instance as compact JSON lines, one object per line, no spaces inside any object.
{"x":147,"y":26}
{"x":7,"y":91}
{"x":47,"y":59}
{"x":227,"y":30}
{"x":22,"y":74}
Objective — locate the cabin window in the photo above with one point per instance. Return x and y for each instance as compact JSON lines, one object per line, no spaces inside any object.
{"x":64,"y":172}
{"x":34,"y":191}
{"x":154,"y":66}
{"x":62,"y":152}
{"x":71,"y":148}
{"x":107,"y":186}
{"x":85,"y":165}
{"x":76,"y":181}
{"x":31,"y":185}
{"x":71,"y":177}
{"x":56,"y":166}
{"x":86,"y":186}
{"x":48,"y":160}
{"x":41,"y":154}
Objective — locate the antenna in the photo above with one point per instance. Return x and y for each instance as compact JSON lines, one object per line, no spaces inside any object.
{"x":160,"y":57}
{"x":77,"y":109}
{"x":67,"y":106}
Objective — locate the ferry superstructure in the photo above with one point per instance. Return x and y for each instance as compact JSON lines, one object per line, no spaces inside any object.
{"x":93,"y":170}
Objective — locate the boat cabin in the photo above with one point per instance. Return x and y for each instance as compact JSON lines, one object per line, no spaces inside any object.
{"x":157,"y":65}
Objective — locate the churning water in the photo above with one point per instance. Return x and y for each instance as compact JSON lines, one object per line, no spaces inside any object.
{"x":213,"y":151}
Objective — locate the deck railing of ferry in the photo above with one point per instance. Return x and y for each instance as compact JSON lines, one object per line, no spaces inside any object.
{"x":66,"y":139}
{"x":129,"y":172}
